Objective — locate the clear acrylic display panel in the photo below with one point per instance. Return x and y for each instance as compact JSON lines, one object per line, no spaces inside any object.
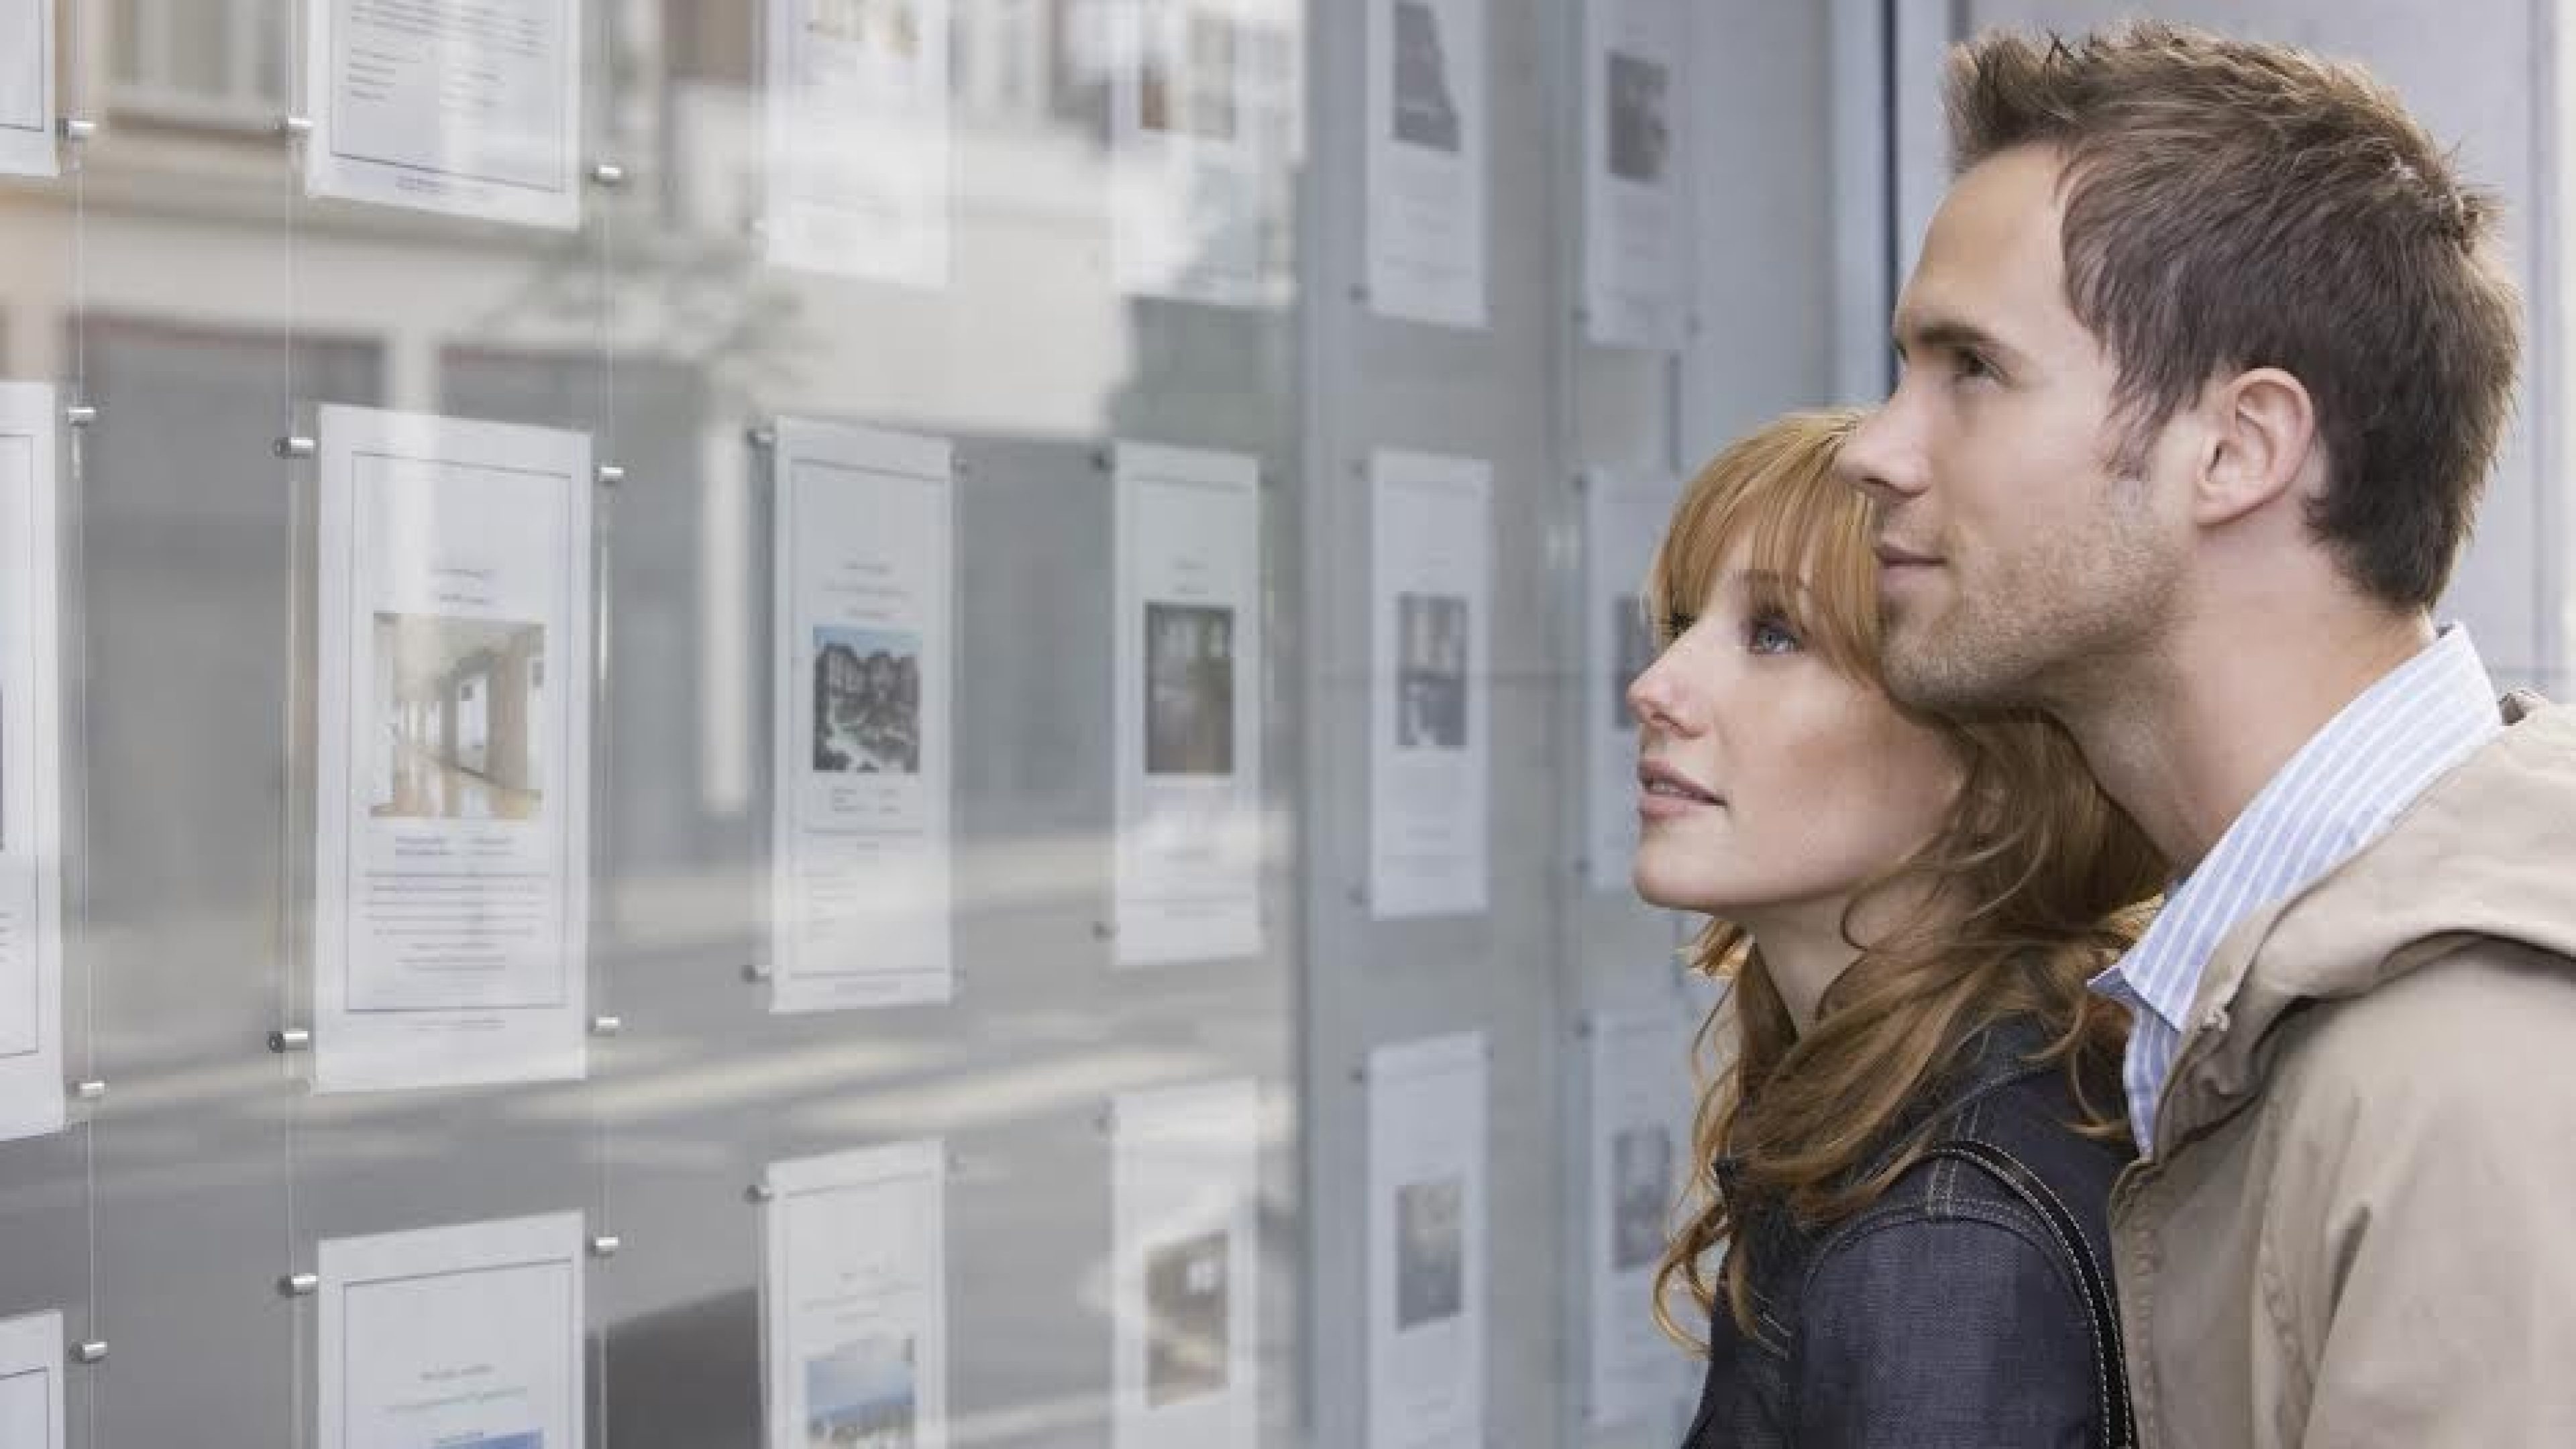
{"x":178,"y":279}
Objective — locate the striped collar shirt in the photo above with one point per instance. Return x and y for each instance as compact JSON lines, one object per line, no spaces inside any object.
{"x":2342,"y":790}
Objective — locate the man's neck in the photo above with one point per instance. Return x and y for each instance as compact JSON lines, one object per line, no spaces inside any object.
{"x":2186,"y":740}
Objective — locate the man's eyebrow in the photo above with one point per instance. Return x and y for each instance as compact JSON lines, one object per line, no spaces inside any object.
{"x":1952,"y":334}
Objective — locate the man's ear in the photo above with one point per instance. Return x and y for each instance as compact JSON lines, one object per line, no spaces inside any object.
{"x":2262,"y":442}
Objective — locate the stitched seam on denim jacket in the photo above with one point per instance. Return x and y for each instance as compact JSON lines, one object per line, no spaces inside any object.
{"x":2009,"y":1216}
{"x":2082,"y":1244}
{"x":1999,"y":1211}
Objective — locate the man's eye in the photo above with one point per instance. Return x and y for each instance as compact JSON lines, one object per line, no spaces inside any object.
{"x":1969,"y":365}
{"x":1768,"y":635}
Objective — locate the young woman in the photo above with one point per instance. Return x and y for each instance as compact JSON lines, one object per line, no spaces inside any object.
{"x":1908,"y":1155}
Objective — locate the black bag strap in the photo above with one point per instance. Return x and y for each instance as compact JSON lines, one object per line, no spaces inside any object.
{"x":2114,"y":1426}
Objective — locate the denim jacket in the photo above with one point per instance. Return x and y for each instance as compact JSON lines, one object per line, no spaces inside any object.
{"x":1944,"y":1315}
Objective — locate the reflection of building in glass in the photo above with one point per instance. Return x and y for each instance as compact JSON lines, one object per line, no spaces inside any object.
{"x":459,"y":711}
{"x":867,"y":702}
{"x":1425,"y":114}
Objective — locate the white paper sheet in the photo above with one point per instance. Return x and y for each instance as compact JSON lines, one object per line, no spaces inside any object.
{"x":864,"y":601}
{"x":1636,"y":101}
{"x":1426,"y":1243}
{"x":1624,"y":516}
{"x":1427,"y":160}
{"x":27,"y":89}
{"x":854,"y":1295}
{"x":31,"y":1381}
{"x":31,"y":767}
{"x":1640,"y":1095}
{"x":1189,"y":668}
{"x":452,"y":845}
{"x":1431,"y":748}
{"x":465,"y":1337}
{"x":1185,"y":176}
{"x":467,"y":107}
{"x":857,"y":99}
{"x":1185,"y":1190}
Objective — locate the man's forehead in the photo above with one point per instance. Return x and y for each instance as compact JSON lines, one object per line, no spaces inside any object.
{"x":2002,"y":214}
{"x":1992,"y":255}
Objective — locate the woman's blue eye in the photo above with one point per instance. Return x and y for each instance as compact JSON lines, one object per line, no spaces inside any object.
{"x":1767,"y":635}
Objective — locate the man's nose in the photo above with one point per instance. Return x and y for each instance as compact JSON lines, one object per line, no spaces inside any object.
{"x":1881,"y":459}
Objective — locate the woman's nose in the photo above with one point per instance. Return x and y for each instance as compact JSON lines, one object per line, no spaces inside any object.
{"x":1655,"y":695}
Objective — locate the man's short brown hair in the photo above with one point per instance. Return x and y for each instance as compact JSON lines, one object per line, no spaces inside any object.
{"x":2231,"y":205}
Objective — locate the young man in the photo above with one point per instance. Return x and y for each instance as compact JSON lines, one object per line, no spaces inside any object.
{"x":2204,"y":366}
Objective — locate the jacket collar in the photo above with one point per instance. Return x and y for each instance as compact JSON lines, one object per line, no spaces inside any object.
{"x":2481,"y":854}
{"x":1995,"y":1057}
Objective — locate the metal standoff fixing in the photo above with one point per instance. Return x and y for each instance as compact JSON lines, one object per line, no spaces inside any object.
{"x":89,"y":1091}
{"x":296,"y":446}
{"x":610,"y":475}
{"x":90,"y":1351}
{"x":77,"y":129}
{"x":761,"y":437}
{"x":290,"y":1039}
{"x":607,"y":173}
{"x":607,"y":1025}
{"x":294,"y":126}
{"x":80,"y":415}
{"x":299,"y":1285}
{"x":756,"y":972}
{"x":605,"y":1245}
{"x":1104,"y":930}
{"x":759,"y":1192}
